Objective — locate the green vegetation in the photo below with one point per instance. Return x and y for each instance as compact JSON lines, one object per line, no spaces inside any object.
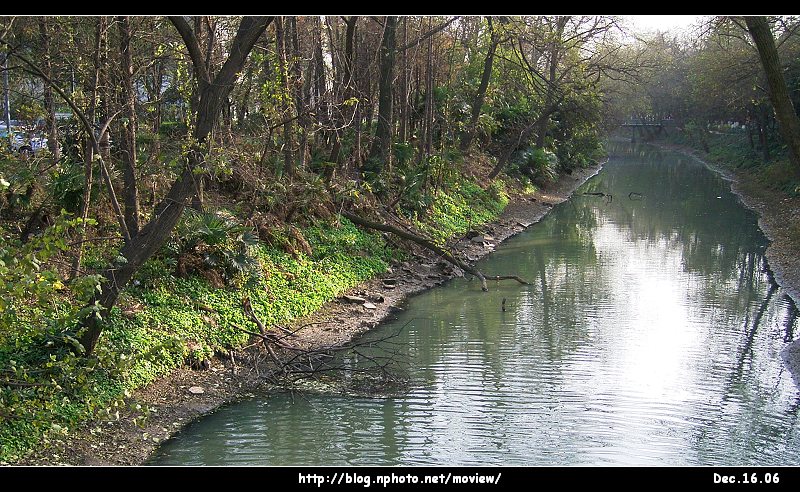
{"x":164,"y":321}
{"x":156,"y":324}
{"x":731,"y":149}
{"x":192,"y":163}
{"x":462,"y":207}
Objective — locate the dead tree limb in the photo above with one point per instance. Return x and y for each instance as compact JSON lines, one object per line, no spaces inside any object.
{"x":265,"y":340}
{"x":427,"y":243}
{"x":608,"y":196}
{"x":248,"y":310}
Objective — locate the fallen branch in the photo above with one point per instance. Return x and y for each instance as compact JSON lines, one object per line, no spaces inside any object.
{"x":608,"y":196}
{"x":264,"y":341}
{"x":248,"y":311}
{"x":269,"y":337}
{"x":506,"y":277}
{"x":264,"y":333}
{"x":427,"y":243}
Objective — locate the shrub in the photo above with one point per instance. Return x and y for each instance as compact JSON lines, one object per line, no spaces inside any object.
{"x":540,"y":165}
{"x":214,"y":244}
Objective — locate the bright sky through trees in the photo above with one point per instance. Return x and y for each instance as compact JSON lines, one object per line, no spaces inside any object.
{"x":651,"y":23}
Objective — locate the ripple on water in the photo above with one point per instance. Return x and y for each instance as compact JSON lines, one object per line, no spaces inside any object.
{"x":647,"y":337}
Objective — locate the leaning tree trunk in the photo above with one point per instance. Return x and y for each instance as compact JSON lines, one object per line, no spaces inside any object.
{"x":430,"y":245}
{"x":788,"y":122}
{"x":213,"y":94}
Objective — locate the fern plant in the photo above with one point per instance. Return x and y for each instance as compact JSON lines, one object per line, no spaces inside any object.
{"x":214,"y":244}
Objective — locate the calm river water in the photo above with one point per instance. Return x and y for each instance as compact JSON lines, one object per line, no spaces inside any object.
{"x":650,"y":335}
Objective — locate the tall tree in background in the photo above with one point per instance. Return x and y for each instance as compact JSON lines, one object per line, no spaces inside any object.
{"x":286,"y":96}
{"x":128,"y":144}
{"x":45,"y":31}
{"x":789,"y":123}
{"x":381,"y":145}
{"x":477,"y":103}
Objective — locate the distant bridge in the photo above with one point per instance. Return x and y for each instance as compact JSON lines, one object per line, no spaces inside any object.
{"x":647,"y":128}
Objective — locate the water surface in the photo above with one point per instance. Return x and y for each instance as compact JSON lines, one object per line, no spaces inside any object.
{"x":650,"y":335}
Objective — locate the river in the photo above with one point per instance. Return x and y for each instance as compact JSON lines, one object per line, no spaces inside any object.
{"x":650,"y":335}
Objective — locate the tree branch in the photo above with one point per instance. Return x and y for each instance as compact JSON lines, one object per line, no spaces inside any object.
{"x":427,"y":35}
{"x":192,"y":45}
{"x":427,"y":243}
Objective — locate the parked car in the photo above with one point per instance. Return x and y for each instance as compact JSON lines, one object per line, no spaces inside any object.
{"x":24,"y":142}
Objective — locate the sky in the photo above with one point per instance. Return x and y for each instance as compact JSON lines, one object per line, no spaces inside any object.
{"x":645,"y":23}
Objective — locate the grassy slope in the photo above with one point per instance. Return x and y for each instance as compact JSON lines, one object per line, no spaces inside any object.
{"x":165,"y":321}
{"x":731,"y":150}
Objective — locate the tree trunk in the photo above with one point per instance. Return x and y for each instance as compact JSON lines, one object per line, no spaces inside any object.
{"x":320,"y":81}
{"x":404,"y":109}
{"x":212,"y":94}
{"x":382,"y":144}
{"x":351,"y":85}
{"x":477,"y":103}
{"x":280,"y":45}
{"x":762,"y":132}
{"x":299,"y":93}
{"x":104,"y":91}
{"x":88,"y":156}
{"x":49,"y":106}
{"x":155,"y":99}
{"x":429,"y":102}
{"x":788,"y":122}
{"x":128,"y":144}
{"x":541,"y":128}
{"x":243,"y":104}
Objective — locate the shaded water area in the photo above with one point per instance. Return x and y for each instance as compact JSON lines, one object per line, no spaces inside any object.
{"x":650,"y":335}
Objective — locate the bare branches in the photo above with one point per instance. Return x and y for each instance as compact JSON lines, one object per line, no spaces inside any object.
{"x":428,"y":34}
{"x":292,"y":363}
